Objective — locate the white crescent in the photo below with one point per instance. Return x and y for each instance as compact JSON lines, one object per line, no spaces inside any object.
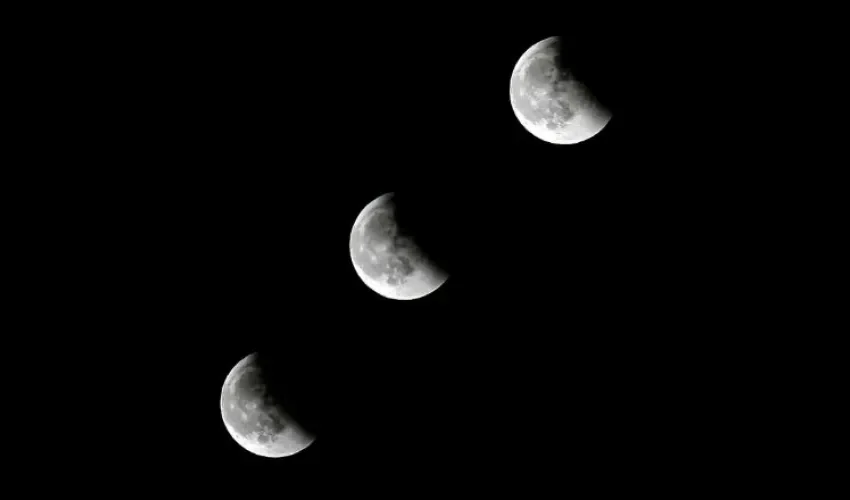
{"x":425,"y":279}
{"x":532,"y":106}
{"x":262,"y":441}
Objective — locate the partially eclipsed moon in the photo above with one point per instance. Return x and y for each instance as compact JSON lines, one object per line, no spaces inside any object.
{"x":553,"y":106}
{"x":395,"y":266}
{"x":254,"y":419}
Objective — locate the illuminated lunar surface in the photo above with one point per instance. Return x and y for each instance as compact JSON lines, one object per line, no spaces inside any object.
{"x":253,"y":416}
{"x":549,"y":102}
{"x":388,"y":261}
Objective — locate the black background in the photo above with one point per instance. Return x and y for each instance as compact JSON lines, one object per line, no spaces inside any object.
{"x":220,"y":159}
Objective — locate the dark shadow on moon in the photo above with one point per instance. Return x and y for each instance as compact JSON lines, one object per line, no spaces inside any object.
{"x":429,"y":218}
{"x":591,"y":63}
{"x":291,"y":383}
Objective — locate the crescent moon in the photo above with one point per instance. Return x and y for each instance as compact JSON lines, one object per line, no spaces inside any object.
{"x":424,"y":278}
{"x":567,"y":116}
{"x":253,"y":425}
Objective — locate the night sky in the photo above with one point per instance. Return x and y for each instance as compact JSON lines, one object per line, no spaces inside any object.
{"x":248,"y":150}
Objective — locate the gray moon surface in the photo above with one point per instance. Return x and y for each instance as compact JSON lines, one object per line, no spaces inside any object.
{"x":253,"y":416}
{"x":553,"y":105}
{"x":390,"y":263}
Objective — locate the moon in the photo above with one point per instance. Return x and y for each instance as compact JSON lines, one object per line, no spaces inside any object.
{"x":549,"y":101}
{"x":254,"y":415}
{"x":388,"y":257}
